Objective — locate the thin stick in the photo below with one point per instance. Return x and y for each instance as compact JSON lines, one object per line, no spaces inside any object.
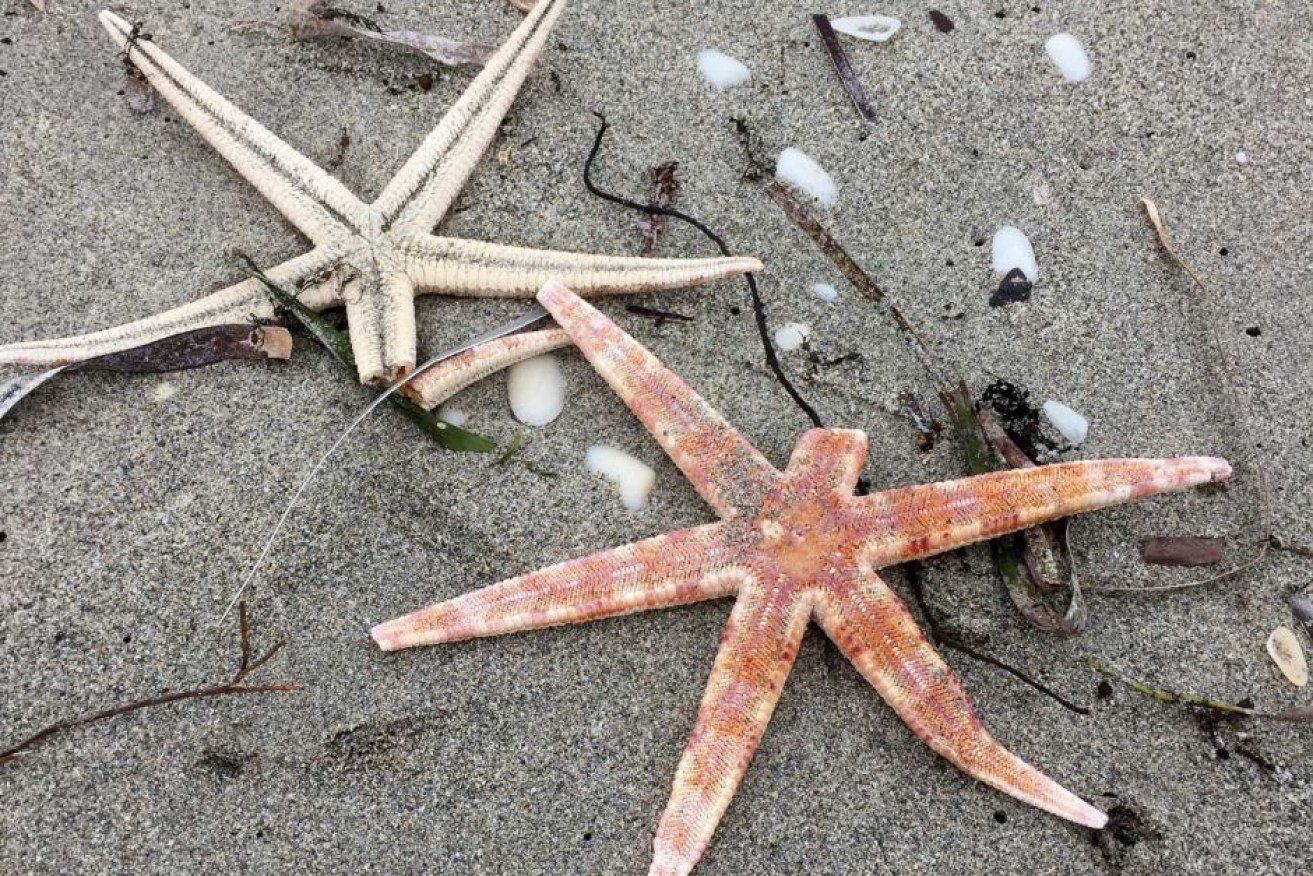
{"x":236,"y":686}
{"x":839,"y":58}
{"x":1212,"y":311}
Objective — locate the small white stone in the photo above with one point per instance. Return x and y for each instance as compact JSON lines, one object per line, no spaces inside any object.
{"x":632,"y":476}
{"x":876,"y":28}
{"x":791,"y":336}
{"x":1067,"y":52}
{"x":825,"y":291}
{"x":721,"y":70}
{"x":163,"y":391}
{"x":794,"y":167}
{"x":537,"y":390}
{"x":1242,"y":157}
{"x":1283,"y":646}
{"x":1011,"y":249}
{"x":1070,"y":424}
{"x":454,"y":416}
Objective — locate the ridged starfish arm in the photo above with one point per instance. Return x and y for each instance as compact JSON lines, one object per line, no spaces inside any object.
{"x":447,"y":378}
{"x":311,"y":199}
{"x":491,"y":270}
{"x":696,"y":564}
{"x":918,"y":521}
{"x":727,"y":471}
{"x":757,"y":651}
{"x":873,"y":628}
{"x":234,"y":304}
{"x":425,"y":187}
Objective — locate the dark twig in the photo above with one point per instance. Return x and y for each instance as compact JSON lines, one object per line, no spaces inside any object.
{"x":1298,"y":715}
{"x":939,"y":637}
{"x":246,"y":666}
{"x":839,"y":58}
{"x":758,"y":306}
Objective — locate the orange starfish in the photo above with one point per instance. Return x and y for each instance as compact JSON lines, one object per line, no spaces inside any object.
{"x":793,"y":546}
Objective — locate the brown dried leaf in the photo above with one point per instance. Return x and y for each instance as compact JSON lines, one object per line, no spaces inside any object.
{"x":1162,"y":550}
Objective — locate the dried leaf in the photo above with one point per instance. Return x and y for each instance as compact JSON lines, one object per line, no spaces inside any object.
{"x":942,"y":22}
{"x":193,"y":349}
{"x":39,"y":4}
{"x":665,"y":191}
{"x":1181,"y":551}
{"x":1285,"y":651}
{"x":137,"y":90}
{"x":312,"y":19}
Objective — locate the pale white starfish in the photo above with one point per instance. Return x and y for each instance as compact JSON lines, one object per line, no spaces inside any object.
{"x":372,"y":258}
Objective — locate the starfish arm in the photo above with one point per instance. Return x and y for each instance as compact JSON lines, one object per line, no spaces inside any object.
{"x":674,"y":569}
{"x":756,"y":652}
{"x":728,"y":472}
{"x":870,"y":624}
{"x":237,"y":303}
{"x":445,"y":379}
{"x":423,"y":190}
{"x":311,"y":199}
{"x":380,"y":315}
{"x":489,"y":270}
{"x":918,"y":521}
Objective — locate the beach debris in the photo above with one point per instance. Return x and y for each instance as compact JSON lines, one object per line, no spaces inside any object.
{"x":314,"y":19}
{"x":137,"y":91}
{"x":1042,"y":194}
{"x":927,"y":427}
{"x":791,"y":336}
{"x":536,"y":388}
{"x":633,"y":477}
{"x":180,"y":352}
{"x":665,"y":191}
{"x":1071,"y":425}
{"x":39,"y":4}
{"x":942,"y":22}
{"x":1284,"y":649}
{"x":163,"y":392}
{"x":247,"y":665}
{"x":843,"y":68}
{"x":1014,"y":287}
{"x":1297,"y":715}
{"x":1302,"y":608}
{"x":825,"y":292}
{"x":1020,"y":419}
{"x":721,"y":70}
{"x":876,"y":28}
{"x":1011,"y":249}
{"x":1161,"y":550}
{"x":795,"y":168}
{"x":1242,"y":157}
{"x":452,"y":416}
{"x":1069,"y":55}
{"x":661,"y":317}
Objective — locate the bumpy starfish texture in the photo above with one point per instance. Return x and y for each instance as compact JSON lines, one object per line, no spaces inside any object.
{"x":372,"y":258}
{"x":794,"y":546}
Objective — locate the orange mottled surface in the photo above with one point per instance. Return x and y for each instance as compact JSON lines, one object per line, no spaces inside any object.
{"x":793,"y":546}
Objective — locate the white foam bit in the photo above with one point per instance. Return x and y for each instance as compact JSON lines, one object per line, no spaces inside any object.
{"x":633,"y":477}
{"x":537,"y":390}
{"x":1070,"y":424}
{"x":876,"y":28}
{"x":1067,"y":52}
{"x":1242,"y":157}
{"x":454,"y":416}
{"x":796,"y":168}
{"x":825,"y":292}
{"x":721,"y":70}
{"x":163,"y":391}
{"x":791,"y":336}
{"x":1012,"y":249}
{"x":1284,"y":649}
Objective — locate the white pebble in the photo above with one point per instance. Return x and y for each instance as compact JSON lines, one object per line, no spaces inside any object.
{"x":1012,"y":249}
{"x":163,"y":391}
{"x":797,"y":169}
{"x":876,"y":28}
{"x":721,"y":70}
{"x":454,"y":416}
{"x":632,"y":476}
{"x":1067,"y":52}
{"x":537,"y":390}
{"x":825,"y":291}
{"x":1070,"y":424}
{"x":792,"y":336}
{"x":1242,"y":157}
{"x":1284,"y":649}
